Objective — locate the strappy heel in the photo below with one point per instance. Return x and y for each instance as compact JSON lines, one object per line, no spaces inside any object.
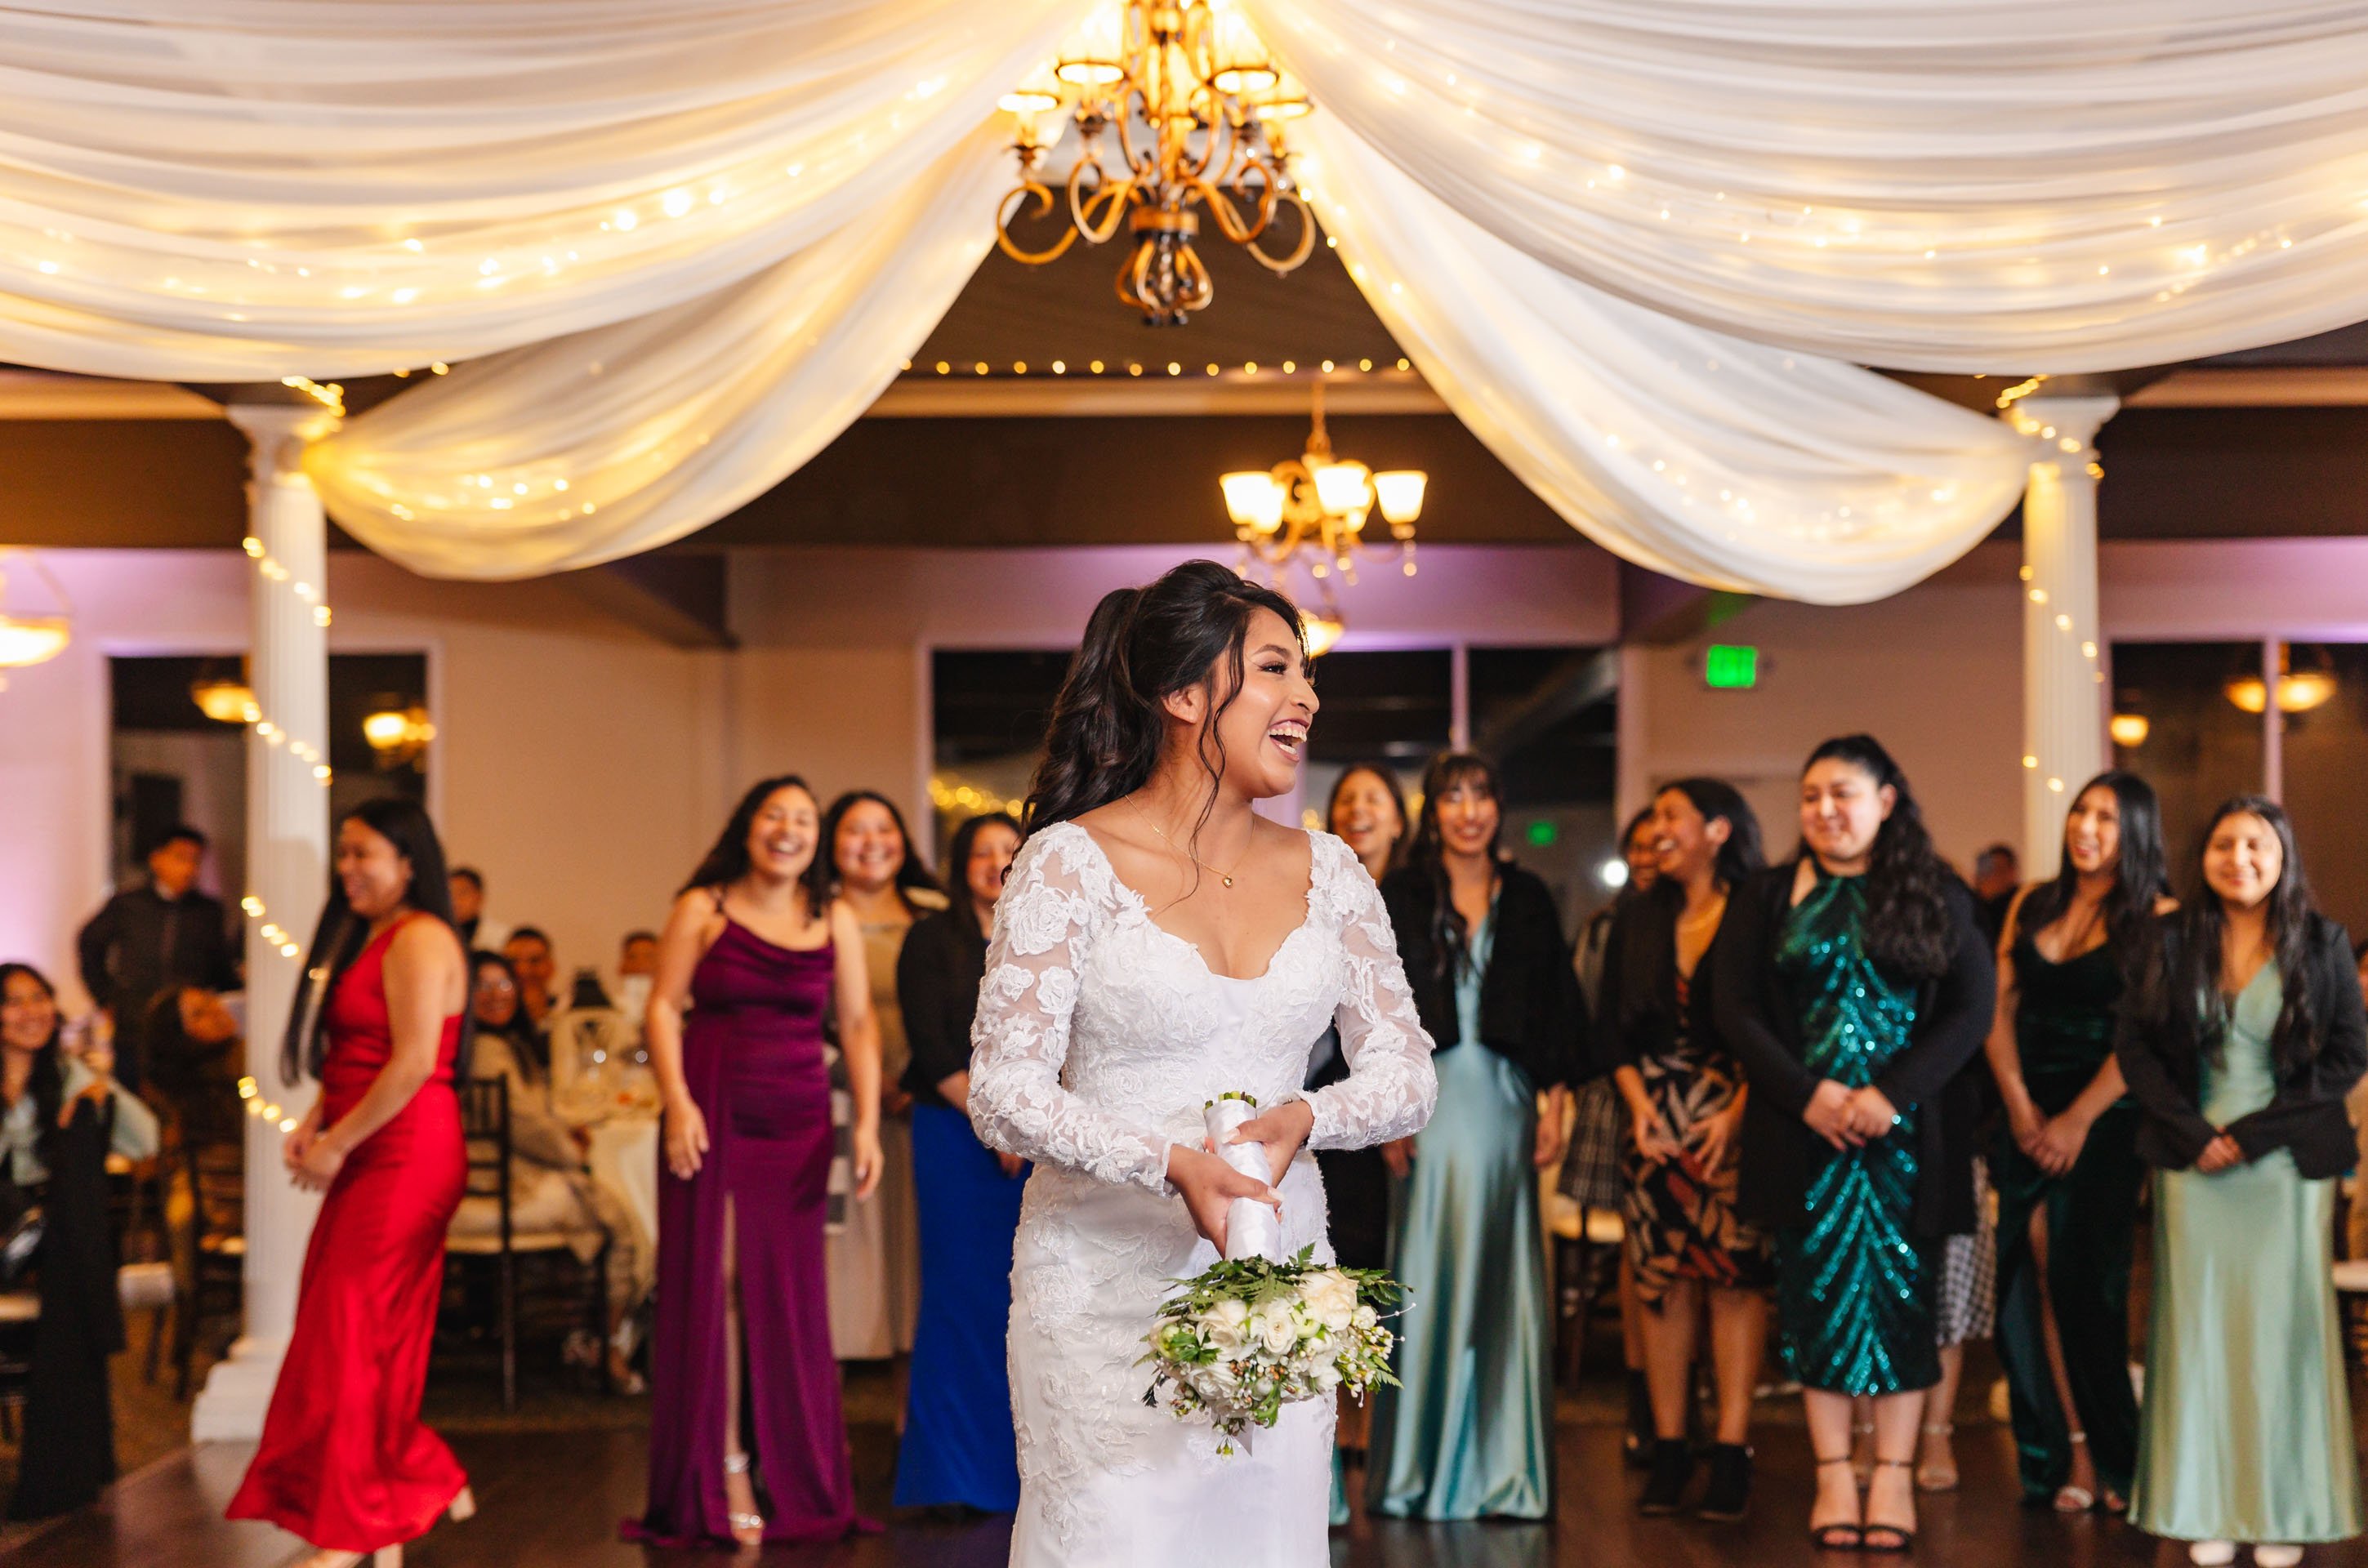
{"x":1902,"y":1537}
{"x":2071,"y":1499}
{"x":1938,"y":1477}
{"x":748,"y":1529}
{"x":1838,"y":1535}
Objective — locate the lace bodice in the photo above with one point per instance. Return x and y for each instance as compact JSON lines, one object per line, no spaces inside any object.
{"x":1099,"y":1036}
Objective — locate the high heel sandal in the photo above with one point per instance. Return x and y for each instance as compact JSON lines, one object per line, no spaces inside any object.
{"x":1902,"y":1537}
{"x":2071,"y":1499}
{"x":748,"y":1529}
{"x":1938,"y":1477}
{"x":1838,"y":1535}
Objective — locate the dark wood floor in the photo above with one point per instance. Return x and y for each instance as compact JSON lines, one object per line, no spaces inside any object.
{"x":553,"y":1500}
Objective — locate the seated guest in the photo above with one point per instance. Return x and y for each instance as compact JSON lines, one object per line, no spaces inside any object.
{"x":478,"y":932}
{"x":549,"y":1189}
{"x":157,"y":933}
{"x":531,"y":960}
{"x":194,"y":1060}
{"x":59,"y":1117}
{"x":637,"y":962}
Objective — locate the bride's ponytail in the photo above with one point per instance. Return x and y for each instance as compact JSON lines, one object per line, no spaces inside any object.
{"x":1141,"y":646}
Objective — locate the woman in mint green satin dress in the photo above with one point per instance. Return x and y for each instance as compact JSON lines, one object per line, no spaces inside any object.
{"x":2244,"y":1036}
{"x":1853,"y":985}
{"x":1470,"y":1434}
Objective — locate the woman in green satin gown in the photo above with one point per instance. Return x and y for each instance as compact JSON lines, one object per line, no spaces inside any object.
{"x":1854,"y":984}
{"x":1470,"y":1432}
{"x":2243,"y":1035}
{"x":2066,"y":1165}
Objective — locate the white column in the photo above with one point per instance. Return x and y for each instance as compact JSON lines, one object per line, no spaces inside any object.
{"x":2065,"y":703}
{"x":287,"y":868}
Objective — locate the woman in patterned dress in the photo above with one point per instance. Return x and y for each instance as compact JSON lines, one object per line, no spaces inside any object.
{"x":1685,"y":1097}
{"x":1854,"y":985}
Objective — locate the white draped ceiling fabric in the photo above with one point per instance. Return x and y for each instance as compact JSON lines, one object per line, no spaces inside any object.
{"x":1640,"y":246}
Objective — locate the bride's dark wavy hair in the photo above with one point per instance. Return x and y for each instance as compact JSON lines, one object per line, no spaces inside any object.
{"x":1142,"y":646}
{"x":1907,"y":883}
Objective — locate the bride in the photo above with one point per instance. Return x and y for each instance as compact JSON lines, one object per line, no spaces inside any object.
{"x":1158,"y":943}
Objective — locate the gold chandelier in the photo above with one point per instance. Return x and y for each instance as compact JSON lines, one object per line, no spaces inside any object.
{"x":1197,"y":110}
{"x":1313,"y":509}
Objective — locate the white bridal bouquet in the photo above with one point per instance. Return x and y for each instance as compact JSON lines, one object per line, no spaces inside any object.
{"x":1254,"y":1332}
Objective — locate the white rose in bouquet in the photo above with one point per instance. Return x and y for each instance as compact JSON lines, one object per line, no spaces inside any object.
{"x":1331,"y":1297}
{"x":1227,"y":1324}
{"x":1364,"y":1317}
{"x":1278,"y":1331}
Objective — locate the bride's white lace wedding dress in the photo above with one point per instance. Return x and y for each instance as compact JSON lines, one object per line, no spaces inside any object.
{"x":1098,"y":1038}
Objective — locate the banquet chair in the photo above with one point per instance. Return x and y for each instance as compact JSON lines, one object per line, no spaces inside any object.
{"x":486,"y":1128}
{"x":213,"y":1244}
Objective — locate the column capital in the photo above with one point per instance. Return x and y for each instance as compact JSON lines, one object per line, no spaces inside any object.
{"x":279,"y":433}
{"x":2064,"y":416}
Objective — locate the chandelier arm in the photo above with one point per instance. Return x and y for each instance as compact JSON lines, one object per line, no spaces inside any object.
{"x":1109,"y":194}
{"x":1195,"y":274}
{"x":1228,"y":216}
{"x":1299,"y":252}
{"x":1009,"y":209}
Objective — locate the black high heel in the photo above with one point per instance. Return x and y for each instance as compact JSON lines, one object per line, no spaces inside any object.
{"x":1901,"y":1537}
{"x":1837,"y":1536}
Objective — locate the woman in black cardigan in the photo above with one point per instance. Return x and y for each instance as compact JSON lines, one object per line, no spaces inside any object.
{"x":2239,"y":1039}
{"x":1470,"y":1433}
{"x":958,"y":1448}
{"x":1854,"y":983}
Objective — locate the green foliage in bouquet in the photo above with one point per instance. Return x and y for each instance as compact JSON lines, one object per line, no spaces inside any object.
{"x":1248,"y":1336}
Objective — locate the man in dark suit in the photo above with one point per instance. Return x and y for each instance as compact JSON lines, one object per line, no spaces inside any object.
{"x":161,"y":932}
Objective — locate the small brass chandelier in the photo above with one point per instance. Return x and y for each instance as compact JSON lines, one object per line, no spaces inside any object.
{"x":1313,"y":510}
{"x":1197,"y":110}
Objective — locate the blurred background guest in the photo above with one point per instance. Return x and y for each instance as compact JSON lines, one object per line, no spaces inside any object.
{"x":2066,"y":1165}
{"x":1854,"y":986}
{"x":549,"y":1188}
{"x":2244,"y":1034}
{"x":537,"y":968}
{"x":159,"y":932}
{"x":1594,"y":1172}
{"x":60,"y":1117}
{"x":958,"y":1448}
{"x":1997,"y":873}
{"x":875,"y":1269}
{"x":1367,"y":813}
{"x":1685,"y":1094}
{"x":478,"y":931}
{"x":1470,"y":1433}
{"x":194,"y":1059}
{"x":637,"y":961}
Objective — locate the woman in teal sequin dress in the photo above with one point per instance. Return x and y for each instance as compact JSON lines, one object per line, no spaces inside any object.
{"x":2065,"y":1164}
{"x":2243,"y":1035}
{"x":1855,"y":985}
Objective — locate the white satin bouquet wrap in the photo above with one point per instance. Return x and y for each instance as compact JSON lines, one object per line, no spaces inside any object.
{"x":1252,"y":1228}
{"x":1256,"y":1332}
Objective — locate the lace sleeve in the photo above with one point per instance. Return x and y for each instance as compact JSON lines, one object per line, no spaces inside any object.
{"x":1389,"y":1088}
{"x":1045,"y":926}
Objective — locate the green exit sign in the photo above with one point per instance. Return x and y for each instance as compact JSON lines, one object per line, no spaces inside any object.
{"x":1730,"y":666}
{"x":1542,"y":832}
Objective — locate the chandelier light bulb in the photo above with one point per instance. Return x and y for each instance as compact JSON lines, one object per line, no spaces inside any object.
{"x":1399,"y":493}
{"x":1253,"y":499}
{"x":1343,"y":487}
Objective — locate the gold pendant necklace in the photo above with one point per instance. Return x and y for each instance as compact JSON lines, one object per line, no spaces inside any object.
{"x":1224,"y":876}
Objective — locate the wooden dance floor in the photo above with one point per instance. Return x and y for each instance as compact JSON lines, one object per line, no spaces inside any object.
{"x":553,"y":1500}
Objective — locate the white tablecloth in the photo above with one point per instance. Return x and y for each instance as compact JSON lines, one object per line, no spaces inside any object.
{"x":623,"y":1158}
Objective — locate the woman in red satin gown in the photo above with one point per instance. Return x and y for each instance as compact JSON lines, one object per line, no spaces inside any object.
{"x":345,"y":1463}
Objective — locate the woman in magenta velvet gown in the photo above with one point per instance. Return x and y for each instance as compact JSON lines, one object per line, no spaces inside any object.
{"x":343,"y":1461}
{"x":755,"y":954}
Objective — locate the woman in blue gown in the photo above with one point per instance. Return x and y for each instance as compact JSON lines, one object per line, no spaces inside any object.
{"x":958,"y":1450}
{"x":1853,"y":986}
{"x":1470,"y":1435}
